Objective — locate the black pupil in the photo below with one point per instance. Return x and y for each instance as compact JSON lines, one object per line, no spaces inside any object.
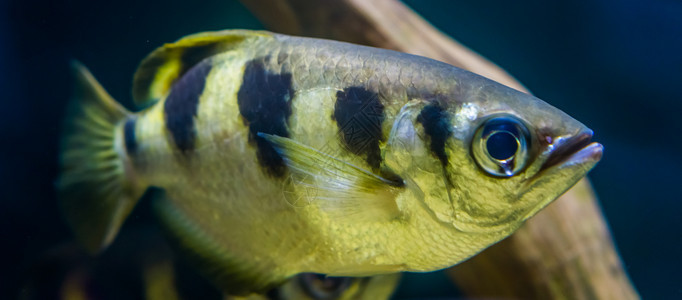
{"x":502,"y":145}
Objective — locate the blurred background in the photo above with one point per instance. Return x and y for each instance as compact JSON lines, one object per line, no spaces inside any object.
{"x":615,"y":65}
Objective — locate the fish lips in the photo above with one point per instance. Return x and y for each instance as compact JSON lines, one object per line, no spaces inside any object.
{"x":565,"y":161}
{"x":574,"y":150}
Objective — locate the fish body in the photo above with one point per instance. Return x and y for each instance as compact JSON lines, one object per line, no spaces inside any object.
{"x":278,"y":155}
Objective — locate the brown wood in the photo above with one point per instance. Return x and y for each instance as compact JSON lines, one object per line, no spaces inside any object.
{"x":380,"y":23}
{"x":566,"y":251}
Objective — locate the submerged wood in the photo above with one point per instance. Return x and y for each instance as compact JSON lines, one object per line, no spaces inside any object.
{"x":564,"y":252}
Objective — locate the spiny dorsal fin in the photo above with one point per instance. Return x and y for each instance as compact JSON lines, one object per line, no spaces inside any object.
{"x":163,"y":66}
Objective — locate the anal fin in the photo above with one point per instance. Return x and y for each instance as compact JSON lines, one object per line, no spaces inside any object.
{"x":235,"y":276}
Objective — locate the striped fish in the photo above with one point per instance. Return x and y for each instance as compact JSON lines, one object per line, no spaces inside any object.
{"x":277,"y":155}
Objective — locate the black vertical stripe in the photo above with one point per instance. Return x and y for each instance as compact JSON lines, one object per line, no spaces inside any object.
{"x":129,"y":136}
{"x":359,"y":115}
{"x":264,"y":100}
{"x":182,"y":104}
{"x":437,"y":127}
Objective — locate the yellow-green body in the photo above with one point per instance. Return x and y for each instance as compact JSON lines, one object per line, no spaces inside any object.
{"x":249,"y":227}
{"x":236,"y":205}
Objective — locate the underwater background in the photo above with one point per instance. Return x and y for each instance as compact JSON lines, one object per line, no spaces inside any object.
{"x":615,"y":65}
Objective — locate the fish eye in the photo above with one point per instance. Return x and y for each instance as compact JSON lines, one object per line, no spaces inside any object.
{"x":500,"y":146}
{"x":319,"y":286}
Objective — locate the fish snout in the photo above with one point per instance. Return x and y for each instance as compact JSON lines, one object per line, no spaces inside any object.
{"x":574,"y":148}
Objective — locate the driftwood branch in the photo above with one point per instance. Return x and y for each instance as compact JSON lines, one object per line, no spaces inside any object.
{"x":566,"y":251}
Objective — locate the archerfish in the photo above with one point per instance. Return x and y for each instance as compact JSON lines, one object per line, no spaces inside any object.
{"x":275,"y":155}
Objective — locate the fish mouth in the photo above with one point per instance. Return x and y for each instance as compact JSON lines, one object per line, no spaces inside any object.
{"x":567,"y":159}
{"x":573,"y":150}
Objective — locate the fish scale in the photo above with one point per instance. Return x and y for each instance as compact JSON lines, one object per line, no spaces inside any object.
{"x":276,"y":155}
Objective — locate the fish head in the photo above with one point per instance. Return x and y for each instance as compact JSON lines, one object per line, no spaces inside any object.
{"x":487,"y":158}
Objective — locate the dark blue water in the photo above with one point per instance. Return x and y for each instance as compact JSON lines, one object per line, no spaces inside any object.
{"x":616,"y":65}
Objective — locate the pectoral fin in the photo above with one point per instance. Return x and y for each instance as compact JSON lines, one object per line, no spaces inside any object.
{"x":340,"y":188}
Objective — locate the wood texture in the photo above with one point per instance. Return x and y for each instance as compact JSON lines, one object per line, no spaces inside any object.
{"x":566,"y":251}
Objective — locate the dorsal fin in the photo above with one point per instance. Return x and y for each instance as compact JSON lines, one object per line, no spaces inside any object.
{"x":159,"y":70}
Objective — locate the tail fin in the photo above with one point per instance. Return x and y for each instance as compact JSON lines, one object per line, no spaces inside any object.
{"x":95,"y":189}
